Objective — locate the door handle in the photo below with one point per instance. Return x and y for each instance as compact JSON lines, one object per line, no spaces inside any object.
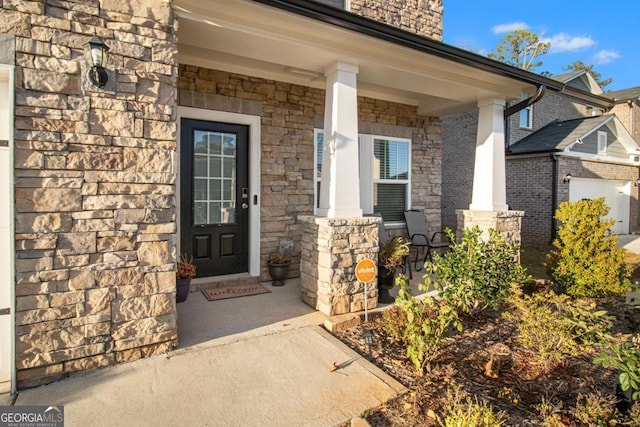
{"x":245,"y":206}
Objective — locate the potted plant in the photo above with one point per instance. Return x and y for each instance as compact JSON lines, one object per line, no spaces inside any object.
{"x":184,"y":272}
{"x":278,"y":264}
{"x":392,"y":254}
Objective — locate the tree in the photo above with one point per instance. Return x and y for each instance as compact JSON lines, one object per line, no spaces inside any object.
{"x":579,"y":66}
{"x":520,"y":48}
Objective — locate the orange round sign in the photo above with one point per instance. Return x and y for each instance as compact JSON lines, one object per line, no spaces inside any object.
{"x":366,"y":270}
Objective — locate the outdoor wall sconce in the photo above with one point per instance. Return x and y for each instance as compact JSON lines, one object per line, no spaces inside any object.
{"x":97,"y":74}
{"x":567,"y":178}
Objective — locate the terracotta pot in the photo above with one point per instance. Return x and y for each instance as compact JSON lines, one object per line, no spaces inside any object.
{"x":278,"y":272}
{"x":182,"y":289}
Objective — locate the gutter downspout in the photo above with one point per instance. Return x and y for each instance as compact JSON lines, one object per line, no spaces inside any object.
{"x":525,"y":102}
{"x":517,"y":107}
{"x":554,"y":194}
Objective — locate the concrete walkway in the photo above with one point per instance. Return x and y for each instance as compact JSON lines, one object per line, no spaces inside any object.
{"x":254,"y":361}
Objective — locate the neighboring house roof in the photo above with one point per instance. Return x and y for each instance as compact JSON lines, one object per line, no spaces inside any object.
{"x":581,"y":80}
{"x":566,"y":77}
{"x":624,"y":95}
{"x":560,"y":135}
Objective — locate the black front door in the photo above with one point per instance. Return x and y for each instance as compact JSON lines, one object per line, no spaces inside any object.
{"x":214,"y":196}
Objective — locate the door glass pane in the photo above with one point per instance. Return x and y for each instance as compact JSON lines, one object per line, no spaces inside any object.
{"x":229,"y":145}
{"x":215,"y":142}
{"x":214,"y":195}
{"x":199,"y":189}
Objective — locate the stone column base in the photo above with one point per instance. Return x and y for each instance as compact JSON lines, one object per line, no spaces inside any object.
{"x":331,"y":248}
{"x":509,"y":223}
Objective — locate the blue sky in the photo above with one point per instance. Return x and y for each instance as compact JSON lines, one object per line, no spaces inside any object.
{"x":603,"y":33}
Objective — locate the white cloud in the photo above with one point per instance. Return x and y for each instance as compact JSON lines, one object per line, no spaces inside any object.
{"x":506,"y":28}
{"x":563,"y":42}
{"x":604,"y":57}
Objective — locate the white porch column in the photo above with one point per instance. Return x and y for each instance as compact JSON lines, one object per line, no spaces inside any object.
{"x":489,"y":182}
{"x":340,"y":185}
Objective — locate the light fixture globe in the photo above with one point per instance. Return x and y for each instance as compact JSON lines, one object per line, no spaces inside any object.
{"x":97,"y":74}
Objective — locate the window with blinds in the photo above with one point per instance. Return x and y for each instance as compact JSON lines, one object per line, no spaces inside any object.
{"x":384,"y":175}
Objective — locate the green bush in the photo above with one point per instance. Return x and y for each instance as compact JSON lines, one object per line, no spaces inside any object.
{"x":624,"y":356}
{"x":476,"y":273}
{"x":554,"y":327}
{"x":585,"y":261}
{"x":428,"y":321}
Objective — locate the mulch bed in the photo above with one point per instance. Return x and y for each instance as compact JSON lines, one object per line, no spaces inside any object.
{"x":514,"y":386}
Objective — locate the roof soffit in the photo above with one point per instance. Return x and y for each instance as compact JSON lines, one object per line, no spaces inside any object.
{"x":252,"y":40}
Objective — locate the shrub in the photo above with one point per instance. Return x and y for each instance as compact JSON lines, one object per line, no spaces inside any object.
{"x":585,"y":261}
{"x":467,"y":412}
{"x":624,"y":356}
{"x":596,"y":409}
{"x":477,"y":273}
{"x":428,"y":321}
{"x":553,"y":327}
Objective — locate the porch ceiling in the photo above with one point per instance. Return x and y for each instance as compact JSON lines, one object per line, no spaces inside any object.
{"x":253,"y":39}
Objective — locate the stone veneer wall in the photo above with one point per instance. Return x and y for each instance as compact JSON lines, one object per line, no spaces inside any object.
{"x":508,"y":223}
{"x":94,"y":185}
{"x":331,"y":248}
{"x":289,"y":113}
{"x":423,"y":17}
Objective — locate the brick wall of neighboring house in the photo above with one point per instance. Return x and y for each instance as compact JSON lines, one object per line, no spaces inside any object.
{"x":422,"y":17}
{"x":552,"y":106}
{"x":94,"y":185}
{"x":629,"y":115}
{"x":529,"y":189}
{"x":530,"y":183}
{"x":590,"y":169}
{"x":289,"y":114}
{"x":459,"y":137}
{"x":458,"y":153}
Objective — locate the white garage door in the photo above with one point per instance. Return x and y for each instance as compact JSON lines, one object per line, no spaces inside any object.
{"x":615,"y":193}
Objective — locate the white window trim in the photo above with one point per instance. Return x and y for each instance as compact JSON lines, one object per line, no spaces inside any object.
{"x":602,"y":136}
{"x":366,"y":172}
{"x":530,"y":115}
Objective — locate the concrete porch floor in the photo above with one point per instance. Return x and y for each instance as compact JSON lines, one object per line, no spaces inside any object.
{"x":203,"y":322}
{"x":250,"y":361}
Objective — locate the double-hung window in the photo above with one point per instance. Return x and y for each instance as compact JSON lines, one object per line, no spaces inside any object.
{"x":385,"y":181}
{"x":526,"y":116}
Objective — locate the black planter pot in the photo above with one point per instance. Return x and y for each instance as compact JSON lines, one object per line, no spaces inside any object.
{"x":182,"y":289}
{"x":386,"y":281}
{"x":278,"y":272}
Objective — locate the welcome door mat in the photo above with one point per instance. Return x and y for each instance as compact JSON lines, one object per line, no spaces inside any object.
{"x":235,"y":291}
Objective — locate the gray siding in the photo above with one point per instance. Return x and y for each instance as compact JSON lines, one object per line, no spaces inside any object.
{"x":590,"y":145}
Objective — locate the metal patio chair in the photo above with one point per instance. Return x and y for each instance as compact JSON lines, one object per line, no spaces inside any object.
{"x":419,"y":236}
